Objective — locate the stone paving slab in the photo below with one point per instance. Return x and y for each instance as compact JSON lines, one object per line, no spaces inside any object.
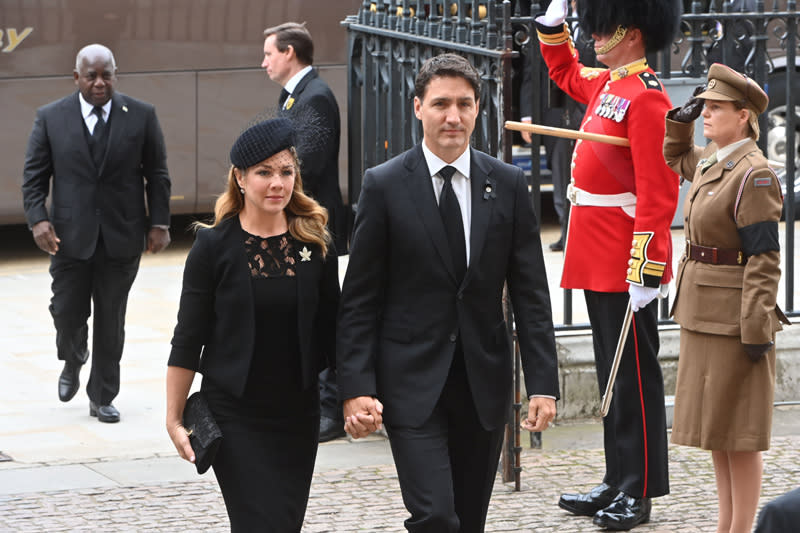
{"x":367,"y":498}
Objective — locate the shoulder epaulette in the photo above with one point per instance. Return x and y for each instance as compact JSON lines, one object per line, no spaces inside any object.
{"x":650,"y":81}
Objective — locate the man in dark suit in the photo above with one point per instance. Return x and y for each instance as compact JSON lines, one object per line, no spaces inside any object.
{"x":288,"y":59}
{"x":104,"y":152}
{"x":423,"y":343}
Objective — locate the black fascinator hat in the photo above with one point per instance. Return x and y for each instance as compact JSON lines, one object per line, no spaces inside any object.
{"x":261,"y":141}
{"x":658,"y":20}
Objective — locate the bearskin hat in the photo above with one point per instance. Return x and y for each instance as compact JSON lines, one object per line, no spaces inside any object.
{"x":658,"y":20}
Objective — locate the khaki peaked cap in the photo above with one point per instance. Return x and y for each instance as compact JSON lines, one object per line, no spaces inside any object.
{"x":724,"y":83}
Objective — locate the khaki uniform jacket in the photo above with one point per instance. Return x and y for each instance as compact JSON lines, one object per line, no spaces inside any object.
{"x":734,"y":300}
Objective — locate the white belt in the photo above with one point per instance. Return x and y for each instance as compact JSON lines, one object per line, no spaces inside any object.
{"x":578,"y":196}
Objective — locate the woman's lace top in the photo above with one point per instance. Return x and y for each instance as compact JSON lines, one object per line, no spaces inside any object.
{"x":270,"y":257}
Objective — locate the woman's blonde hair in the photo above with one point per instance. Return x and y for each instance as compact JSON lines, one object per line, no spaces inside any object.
{"x":307,"y":219}
{"x":752,"y":118}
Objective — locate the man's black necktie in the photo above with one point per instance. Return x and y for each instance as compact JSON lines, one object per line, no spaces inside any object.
{"x":453,"y":223}
{"x":282,"y":99}
{"x":100,"y":125}
{"x":97,"y":145}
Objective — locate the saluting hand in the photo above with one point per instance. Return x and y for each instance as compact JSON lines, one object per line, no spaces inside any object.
{"x":689,"y":111}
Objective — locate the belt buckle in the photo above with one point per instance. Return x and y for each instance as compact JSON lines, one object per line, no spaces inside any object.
{"x":572,"y":194}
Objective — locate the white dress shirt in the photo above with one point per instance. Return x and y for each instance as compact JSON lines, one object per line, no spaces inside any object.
{"x":291,"y":85}
{"x":460,"y":181}
{"x":89,"y":118}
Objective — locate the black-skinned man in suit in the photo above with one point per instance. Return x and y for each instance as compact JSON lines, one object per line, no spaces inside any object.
{"x":105,"y":153}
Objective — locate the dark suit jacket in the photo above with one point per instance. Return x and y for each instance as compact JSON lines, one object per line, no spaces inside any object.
{"x":216,"y":318}
{"x":86,"y":199}
{"x":402,"y":308}
{"x":319,"y":155}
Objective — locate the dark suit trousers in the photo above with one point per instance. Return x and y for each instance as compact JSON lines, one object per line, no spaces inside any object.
{"x":77,"y":284}
{"x":635,"y":429}
{"x":781,"y":515}
{"x":447,"y":466}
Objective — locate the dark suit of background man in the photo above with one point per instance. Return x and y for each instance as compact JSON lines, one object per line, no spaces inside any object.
{"x":288,"y":56}
{"x":421,"y":321}
{"x":104,"y":152}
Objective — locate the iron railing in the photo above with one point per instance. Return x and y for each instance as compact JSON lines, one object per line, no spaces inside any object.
{"x":389,"y":40}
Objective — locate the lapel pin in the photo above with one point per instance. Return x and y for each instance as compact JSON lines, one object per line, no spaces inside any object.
{"x":125,"y":108}
{"x":488,"y":190}
{"x":289,"y":103}
{"x":305,"y":254}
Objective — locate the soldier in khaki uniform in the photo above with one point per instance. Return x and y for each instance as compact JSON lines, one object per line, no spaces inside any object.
{"x":727,"y":283}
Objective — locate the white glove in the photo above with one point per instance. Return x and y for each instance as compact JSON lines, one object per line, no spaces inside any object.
{"x":555,"y":15}
{"x":641,"y":296}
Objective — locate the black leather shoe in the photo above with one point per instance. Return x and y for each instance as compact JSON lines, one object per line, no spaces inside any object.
{"x":624,"y":513}
{"x":104,"y":413}
{"x":588,"y":503}
{"x":330,"y":429}
{"x":68,"y":383}
{"x":557,"y":246}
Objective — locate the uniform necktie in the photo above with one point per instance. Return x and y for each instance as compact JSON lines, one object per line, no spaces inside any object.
{"x":708,"y":163}
{"x":100,"y":126}
{"x":450,"y":211}
{"x":282,"y":99}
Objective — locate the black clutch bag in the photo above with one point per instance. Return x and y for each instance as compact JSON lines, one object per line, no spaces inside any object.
{"x":204,"y":434}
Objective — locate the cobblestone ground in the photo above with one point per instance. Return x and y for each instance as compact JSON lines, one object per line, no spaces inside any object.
{"x":369,"y":499}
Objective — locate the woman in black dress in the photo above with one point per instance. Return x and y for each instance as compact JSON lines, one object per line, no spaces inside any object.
{"x":257,"y":318}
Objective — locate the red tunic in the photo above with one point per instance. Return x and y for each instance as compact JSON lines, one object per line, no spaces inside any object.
{"x":606,"y":247}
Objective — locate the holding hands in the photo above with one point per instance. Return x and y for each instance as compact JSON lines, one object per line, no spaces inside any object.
{"x":362,"y":416}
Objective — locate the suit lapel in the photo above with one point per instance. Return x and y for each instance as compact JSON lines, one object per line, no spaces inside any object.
{"x":423,"y":199}
{"x":301,"y":85}
{"x":479,"y":181}
{"x":75,"y":126}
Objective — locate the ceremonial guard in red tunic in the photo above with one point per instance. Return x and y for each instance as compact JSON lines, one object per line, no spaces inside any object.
{"x":618,"y":243}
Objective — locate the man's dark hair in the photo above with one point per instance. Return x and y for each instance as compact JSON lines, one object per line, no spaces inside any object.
{"x":452,"y":65}
{"x":295,"y":35}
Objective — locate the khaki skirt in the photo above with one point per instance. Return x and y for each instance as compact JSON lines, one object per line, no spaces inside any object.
{"x":723,"y":401}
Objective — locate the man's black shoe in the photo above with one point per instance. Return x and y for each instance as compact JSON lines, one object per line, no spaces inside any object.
{"x":588,"y":503}
{"x":104,"y":413}
{"x":557,"y":246}
{"x":330,"y":429}
{"x":624,"y":513}
{"x":68,"y":383}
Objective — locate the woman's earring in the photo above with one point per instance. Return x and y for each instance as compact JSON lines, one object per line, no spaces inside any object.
{"x":241,"y":190}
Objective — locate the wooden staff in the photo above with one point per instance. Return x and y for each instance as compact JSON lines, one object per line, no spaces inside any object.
{"x":569,"y":134}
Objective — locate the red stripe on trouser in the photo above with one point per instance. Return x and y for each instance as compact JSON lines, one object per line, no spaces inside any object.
{"x":641,"y":401}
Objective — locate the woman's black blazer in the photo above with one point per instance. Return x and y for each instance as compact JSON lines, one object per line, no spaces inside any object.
{"x":216,"y":319}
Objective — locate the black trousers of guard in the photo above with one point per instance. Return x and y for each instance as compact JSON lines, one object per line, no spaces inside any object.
{"x":635,"y":429}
